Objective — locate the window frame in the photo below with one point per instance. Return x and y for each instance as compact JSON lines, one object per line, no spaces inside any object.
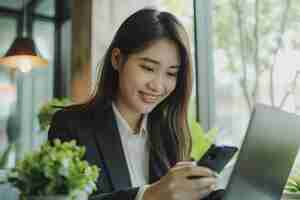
{"x":204,"y":65}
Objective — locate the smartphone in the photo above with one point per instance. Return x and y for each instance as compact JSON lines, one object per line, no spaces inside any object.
{"x":217,"y":157}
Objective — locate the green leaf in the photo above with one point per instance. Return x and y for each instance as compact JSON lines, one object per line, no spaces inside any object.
{"x":293,"y":183}
{"x":48,"y":110}
{"x":201,"y":141}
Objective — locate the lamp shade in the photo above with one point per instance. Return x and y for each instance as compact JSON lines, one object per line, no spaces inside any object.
{"x":23,"y":55}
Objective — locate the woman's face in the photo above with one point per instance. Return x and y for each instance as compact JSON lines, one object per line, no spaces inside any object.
{"x":148,"y":77}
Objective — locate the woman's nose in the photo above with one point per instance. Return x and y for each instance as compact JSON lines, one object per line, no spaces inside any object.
{"x":157,"y":84}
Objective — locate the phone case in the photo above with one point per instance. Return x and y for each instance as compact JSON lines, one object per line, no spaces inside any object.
{"x":217,"y":157}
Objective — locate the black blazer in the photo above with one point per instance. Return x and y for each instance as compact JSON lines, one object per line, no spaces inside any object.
{"x":97,"y":131}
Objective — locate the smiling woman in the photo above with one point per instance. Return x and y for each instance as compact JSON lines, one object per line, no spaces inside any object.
{"x":134,"y":126}
{"x":146,"y":78}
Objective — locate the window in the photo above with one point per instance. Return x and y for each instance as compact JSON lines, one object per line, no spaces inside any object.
{"x":256,"y":55}
{"x":256,"y":59}
{"x":42,"y":80}
{"x":7,"y":87}
{"x":23,"y":93}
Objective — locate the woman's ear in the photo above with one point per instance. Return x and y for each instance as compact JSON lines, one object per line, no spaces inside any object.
{"x":116,"y":58}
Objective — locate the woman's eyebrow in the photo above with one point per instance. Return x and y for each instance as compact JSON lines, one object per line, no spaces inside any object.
{"x":150,"y":60}
{"x":147,"y":59}
{"x":175,"y":67}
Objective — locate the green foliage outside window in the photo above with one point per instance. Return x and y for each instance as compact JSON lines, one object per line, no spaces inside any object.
{"x":252,"y":36}
{"x":293,"y":184}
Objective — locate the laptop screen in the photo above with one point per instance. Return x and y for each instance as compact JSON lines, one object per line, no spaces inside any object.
{"x":266,"y":157}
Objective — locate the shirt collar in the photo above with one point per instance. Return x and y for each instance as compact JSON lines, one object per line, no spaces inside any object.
{"x":121,"y":121}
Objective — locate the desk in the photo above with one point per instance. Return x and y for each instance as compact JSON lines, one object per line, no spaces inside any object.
{"x":295,"y":196}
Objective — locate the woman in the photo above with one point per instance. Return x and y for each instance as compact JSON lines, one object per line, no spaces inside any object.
{"x":135,"y":127}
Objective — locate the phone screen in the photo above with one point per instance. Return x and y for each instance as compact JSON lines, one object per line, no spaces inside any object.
{"x":217,"y":157}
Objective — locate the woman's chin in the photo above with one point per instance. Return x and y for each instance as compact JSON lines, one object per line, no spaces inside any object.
{"x":145,"y":109}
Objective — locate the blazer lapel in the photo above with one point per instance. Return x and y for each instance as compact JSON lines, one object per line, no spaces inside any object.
{"x":109,"y":144}
{"x":159,"y":164}
{"x":155,"y":171}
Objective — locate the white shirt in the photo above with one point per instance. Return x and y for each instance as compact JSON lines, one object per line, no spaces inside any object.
{"x":135,"y":150}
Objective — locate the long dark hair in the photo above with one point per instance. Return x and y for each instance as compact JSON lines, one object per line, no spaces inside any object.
{"x":168,"y":121}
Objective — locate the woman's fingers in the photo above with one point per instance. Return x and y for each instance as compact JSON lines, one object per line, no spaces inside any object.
{"x":187,"y":180}
{"x":198,"y":177}
{"x":204,"y":186}
{"x":191,"y":171}
{"x":204,"y":183}
{"x":205,"y":192}
{"x":177,"y":184}
{"x":184,"y":164}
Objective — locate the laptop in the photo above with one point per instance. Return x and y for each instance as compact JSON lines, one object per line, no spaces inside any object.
{"x":266,"y":156}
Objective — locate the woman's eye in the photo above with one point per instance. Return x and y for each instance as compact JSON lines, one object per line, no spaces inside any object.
{"x":172,"y":74}
{"x":147,"y":68}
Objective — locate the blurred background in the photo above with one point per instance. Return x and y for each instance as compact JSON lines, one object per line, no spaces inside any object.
{"x":72,"y":36}
{"x":245,"y":51}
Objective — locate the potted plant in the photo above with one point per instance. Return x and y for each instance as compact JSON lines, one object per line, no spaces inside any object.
{"x":292,"y":188}
{"x":55,"y":172}
{"x":47,"y":111}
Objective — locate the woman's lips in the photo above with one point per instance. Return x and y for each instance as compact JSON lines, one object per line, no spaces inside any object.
{"x":149,"y":98}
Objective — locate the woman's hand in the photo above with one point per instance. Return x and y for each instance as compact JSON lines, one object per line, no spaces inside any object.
{"x":177,"y":184}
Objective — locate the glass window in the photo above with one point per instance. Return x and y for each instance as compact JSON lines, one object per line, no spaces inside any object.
{"x":46,"y":7}
{"x":7,"y":87}
{"x":256,"y":59}
{"x":8,"y":33}
{"x":43,"y":34}
{"x":34,"y":89}
{"x":13,"y":4}
{"x":42,"y":79}
{"x":256,"y":56}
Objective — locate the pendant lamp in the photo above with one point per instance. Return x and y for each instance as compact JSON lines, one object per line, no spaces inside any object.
{"x":23,"y":54}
